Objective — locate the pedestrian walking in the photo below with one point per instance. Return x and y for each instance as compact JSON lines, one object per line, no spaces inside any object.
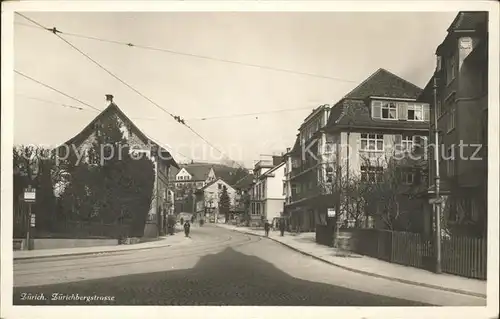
{"x":282,"y":228}
{"x":182,"y":221}
{"x":192,"y":219}
{"x":187,"y":227}
{"x":266,"y":228}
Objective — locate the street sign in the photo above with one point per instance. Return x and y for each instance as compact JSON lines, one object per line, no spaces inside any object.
{"x":435,"y":201}
{"x":29,"y":195}
{"x":331,"y":212}
{"x":32,"y":220}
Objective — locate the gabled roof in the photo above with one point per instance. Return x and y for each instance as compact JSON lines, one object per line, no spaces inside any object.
{"x":272,"y":170}
{"x":199,"y":171}
{"x":468,"y":20}
{"x":113,"y":108}
{"x":384,"y":84}
{"x":353,"y":110}
{"x":245,"y":182}
{"x":214,"y":182}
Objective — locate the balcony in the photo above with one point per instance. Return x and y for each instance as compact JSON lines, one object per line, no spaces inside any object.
{"x":304,"y":168}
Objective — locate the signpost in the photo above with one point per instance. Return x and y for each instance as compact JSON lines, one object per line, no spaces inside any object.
{"x":29,"y":198}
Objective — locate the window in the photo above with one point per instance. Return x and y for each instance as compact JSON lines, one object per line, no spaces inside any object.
{"x":450,"y":69}
{"x":418,"y":112}
{"x":284,"y":188}
{"x":389,"y":111}
{"x":372,"y":142}
{"x":371,"y":174}
{"x":451,"y":119}
{"x":408,"y":177}
{"x":450,"y":162}
{"x":407,"y":143}
{"x":439,"y":109}
{"x":329,"y":174}
{"x":219,"y":186}
{"x":384,"y":110}
{"x":438,"y":63}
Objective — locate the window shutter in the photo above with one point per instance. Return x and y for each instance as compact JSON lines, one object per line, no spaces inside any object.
{"x":376,"y":109}
{"x":403,"y":111}
{"x":426,"y":112}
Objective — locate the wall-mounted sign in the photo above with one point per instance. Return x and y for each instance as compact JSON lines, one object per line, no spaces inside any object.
{"x":466,"y":43}
{"x":331,"y":212}
{"x":29,"y":195}
{"x":32,"y":222}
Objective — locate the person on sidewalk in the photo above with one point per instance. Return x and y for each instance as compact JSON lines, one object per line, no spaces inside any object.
{"x":282,"y":227}
{"x":266,"y":228}
{"x":182,"y":221}
{"x":187,"y":227}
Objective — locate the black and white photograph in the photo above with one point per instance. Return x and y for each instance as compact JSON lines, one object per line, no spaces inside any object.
{"x":326,"y":160}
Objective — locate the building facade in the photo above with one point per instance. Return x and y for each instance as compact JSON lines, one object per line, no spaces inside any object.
{"x":461,"y":84}
{"x":186,"y":180}
{"x":208,"y":200}
{"x":266,"y":195}
{"x":139,"y":143}
{"x":365,"y":129}
{"x":303,"y":167}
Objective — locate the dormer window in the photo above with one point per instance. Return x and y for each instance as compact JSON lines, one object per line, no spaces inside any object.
{"x":403,"y":111}
{"x":384,"y":110}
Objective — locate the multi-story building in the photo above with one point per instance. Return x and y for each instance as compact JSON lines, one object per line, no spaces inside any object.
{"x":139,"y":144}
{"x":461,"y":80}
{"x":364,"y":130}
{"x":302,"y":168}
{"x":190,"y":177}
{"x":208,"y":200}
{"x":266,"y":194}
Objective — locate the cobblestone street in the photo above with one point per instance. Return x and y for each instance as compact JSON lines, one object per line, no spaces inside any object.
{"x":214,"y":267}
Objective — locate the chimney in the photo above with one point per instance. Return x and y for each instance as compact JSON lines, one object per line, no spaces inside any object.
{"x":109,"y":99}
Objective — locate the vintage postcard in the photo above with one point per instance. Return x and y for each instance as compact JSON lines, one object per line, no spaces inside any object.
{"x":253,"y":159}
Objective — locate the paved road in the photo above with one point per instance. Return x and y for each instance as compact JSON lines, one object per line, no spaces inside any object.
{"x":213,"y":267}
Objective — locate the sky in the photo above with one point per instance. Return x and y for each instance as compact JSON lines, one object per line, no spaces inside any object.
{"x":342,"y":48}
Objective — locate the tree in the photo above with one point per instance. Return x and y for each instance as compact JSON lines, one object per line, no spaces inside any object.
{"x":224,"y":203}
{"x":385,"y":192}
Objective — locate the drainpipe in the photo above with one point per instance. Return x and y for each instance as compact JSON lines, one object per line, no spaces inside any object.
{"x":437,"y":204}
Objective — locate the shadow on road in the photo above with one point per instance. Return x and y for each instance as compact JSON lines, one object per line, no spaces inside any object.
{"x":225,"y":278}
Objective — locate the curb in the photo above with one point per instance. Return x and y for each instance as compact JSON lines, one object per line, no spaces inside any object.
{"x":409,"y":282}
{"x":90,"y":253}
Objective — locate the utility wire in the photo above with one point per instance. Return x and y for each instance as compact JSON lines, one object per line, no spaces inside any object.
{"x":177,"y":118}
{"x":74,"y":107}
{"x":56,"y":90}
{"x":249,"y":114}
{"x":93,"y":108}
{"x":129,"y":44}
{"x":55,"y":103}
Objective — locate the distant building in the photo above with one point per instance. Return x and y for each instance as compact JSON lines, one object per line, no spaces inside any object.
{"x":208,"y":200}
{"x":190,"y":177}
{"x":267,"y":195}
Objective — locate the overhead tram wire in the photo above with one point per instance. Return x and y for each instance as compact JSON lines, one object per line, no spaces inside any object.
{"x":177,"y":118}
{"x":249,"y":114}
{"x":198,"y":56}
{"x":84,"y":103}
{"x":56,"y":90}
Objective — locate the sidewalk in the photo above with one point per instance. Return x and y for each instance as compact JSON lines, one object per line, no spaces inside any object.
{"x":163,"y":241}
{"x":305,"y":243}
